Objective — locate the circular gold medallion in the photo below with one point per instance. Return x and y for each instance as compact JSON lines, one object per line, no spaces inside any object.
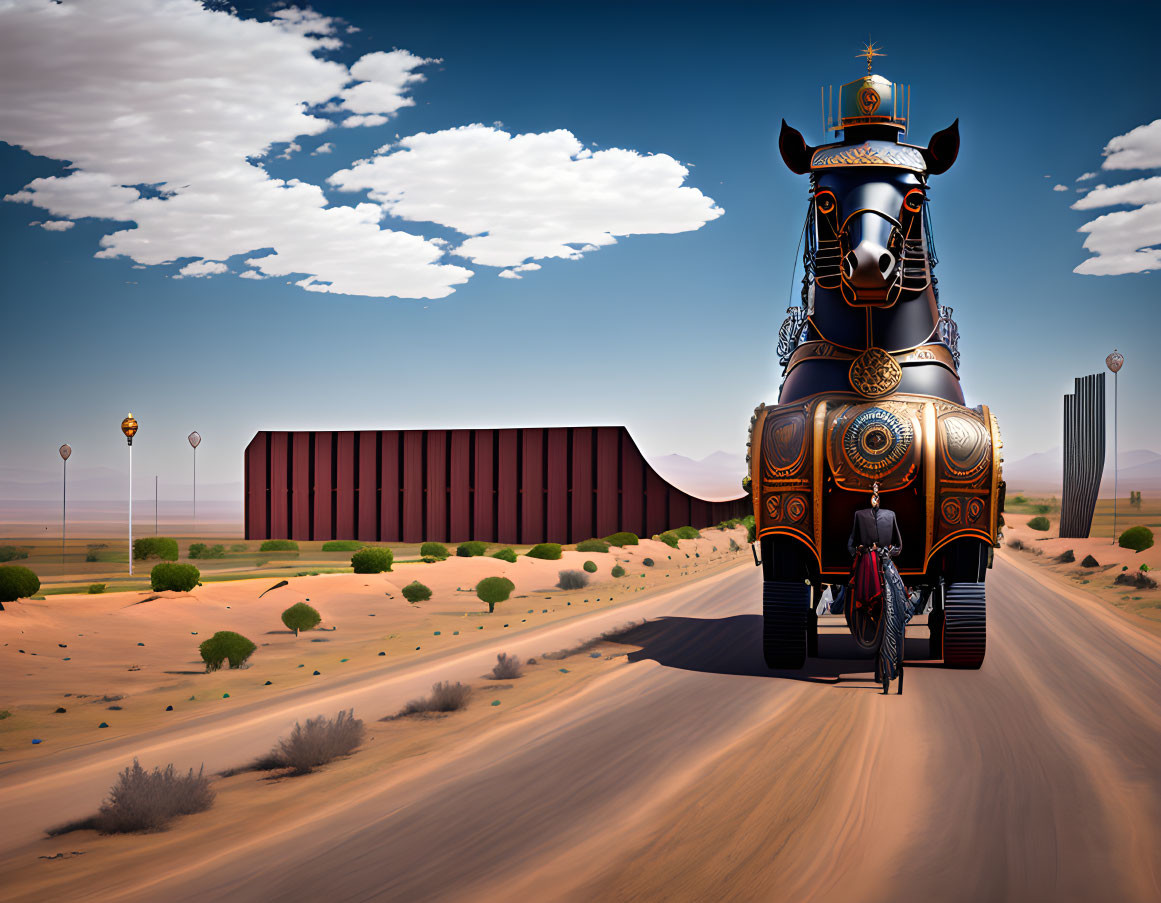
{"x":875,"y":373}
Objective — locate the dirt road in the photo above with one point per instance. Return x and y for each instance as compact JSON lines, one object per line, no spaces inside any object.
{"x":693,"y":773}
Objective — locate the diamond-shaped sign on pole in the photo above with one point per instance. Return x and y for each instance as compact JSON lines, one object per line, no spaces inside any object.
{"x":195,"y":439}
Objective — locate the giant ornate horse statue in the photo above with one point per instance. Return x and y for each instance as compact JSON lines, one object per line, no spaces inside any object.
{"x":871,"y":391}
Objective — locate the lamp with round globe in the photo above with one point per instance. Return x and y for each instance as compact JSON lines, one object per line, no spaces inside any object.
{"x":129,"y":428}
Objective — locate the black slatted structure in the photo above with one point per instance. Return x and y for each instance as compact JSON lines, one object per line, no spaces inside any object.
{"x":1084,"y":454}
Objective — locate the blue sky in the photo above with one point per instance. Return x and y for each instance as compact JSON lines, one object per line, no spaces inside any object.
{"x":671,"y":332}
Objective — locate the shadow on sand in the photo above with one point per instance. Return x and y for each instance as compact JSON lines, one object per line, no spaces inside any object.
{"x":733,"y":645}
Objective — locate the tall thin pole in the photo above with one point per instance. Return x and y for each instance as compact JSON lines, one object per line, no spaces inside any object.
{"x":195,"y":484}
{"x":1116,"y":462}
{"x":64,"y":494}
{"x":130,"y":509}
{"x":155,"y":504}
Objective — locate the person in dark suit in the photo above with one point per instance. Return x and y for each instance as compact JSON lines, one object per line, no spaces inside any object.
{"x":874,"y":542}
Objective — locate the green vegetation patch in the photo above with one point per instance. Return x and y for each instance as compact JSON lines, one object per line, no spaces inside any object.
{"x":1039,"y":523}
{"x":1136,"y":538}
{"x":372,"y":561}
{"x":622,"y":539}
{"x":505,"y":555}
{"x":435,"y":550}
{"x":494,"y":589}
{"x":278,"y":545}
{"x":172,"y":576}
{"x":549,"y":551}
{"x":301,"y":616}
{"x":12,"y":553}
{"x":416,"y":592}
{"x":590,"y":566}
{"x":155,"y":547}
{"x":226,"y":646}
{"x":592,"y":545}
{"x":201,"y":550}
{"x":342,"y":545}
{"x":17,"y":582}
{"x":471,"y":549}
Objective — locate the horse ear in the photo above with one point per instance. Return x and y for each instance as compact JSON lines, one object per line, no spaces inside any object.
{"x":794,"y":149}
{"x":942,"y":149}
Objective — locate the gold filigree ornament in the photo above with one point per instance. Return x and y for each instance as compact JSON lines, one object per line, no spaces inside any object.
{"x":874,"y":373}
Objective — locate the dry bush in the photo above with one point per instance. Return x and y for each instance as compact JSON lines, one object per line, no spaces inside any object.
{"x":318,"y":741}
{"x":507,"y":667}
{"x":1016,"y":544}
{"x":148,"y":800}
{"x":445,"y":697}
{"x":617,"y":633}
{"x":572,"y":580}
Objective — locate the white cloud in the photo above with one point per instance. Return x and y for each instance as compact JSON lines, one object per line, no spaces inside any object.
{"x":57,"y":225}
{"x":514,"y":272}
{"x":250,"y":274}
{"x":292,"y":148}
{"x":201,"y":268}
{"x":354,"y":122}
{"x":509,"y":274}
{"x":1138,"y":149}
{"x":1125,"y":241}
{"x":533,"y":196}
{"x":1084,"y":177}
{"x":161,"y":107}
{"x":383,"y":80}
{"x":322,"y":149}
{"x":1060,"y":188}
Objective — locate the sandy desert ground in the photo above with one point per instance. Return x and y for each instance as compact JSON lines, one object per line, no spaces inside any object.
{"x":664,"y":763}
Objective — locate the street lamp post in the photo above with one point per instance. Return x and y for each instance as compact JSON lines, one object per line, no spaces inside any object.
{"x":195,"y":440}
{"x":65,"y":451}
{"x":129,"y":428}
{"x":1114,"y":362}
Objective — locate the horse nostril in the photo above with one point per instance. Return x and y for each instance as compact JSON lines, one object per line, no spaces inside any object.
{"x":884,"y":263}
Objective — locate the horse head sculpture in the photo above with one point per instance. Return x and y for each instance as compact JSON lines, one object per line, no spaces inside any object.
{"x":870,"y":318}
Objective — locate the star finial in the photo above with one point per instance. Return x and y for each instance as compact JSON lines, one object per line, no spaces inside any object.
{"x":869,"y":52}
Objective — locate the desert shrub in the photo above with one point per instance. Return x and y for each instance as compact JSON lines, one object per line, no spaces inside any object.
{"x":618,"y":571}
{"x":669,"y":538}
{"x":96,"y":588}
{"x":507,"y":667}
{"x":592,"y":545}
{"x":1144,"y":567}
{"x":433,"y":550}
{"x":278,"y":545}
{"x":172,"y":576}
{"x":372,"y":561}
{"x":148,"y":800}
{"x":1015,"y":544}
{"x":342,"y":545}
{"x":494,"y":589}
{"x":1137,"y":580}
{"x":648,"y":562}
{"x":1136,"y":538}
{"x":12,"y":553}
{"x":471,"y":549}
{"x":734,"y":547}
{"x":590,"y":567}
{"x":17,"y":582}
{"x":416,"y":592}
{"x":1038,"y":523}
{"x":1065,"y":557}
{"x":155,"y":547}
{"x":445,"y":697}
{"x":91,"y":556}
{"x":238,"y":547}
{"x":549,"y":551}
{"x":318,"y":741}
{"x":1090,"y":562}
{"x":301,"y":616}
{"x":687,"y":533}
{"x":572,"y":579}
{"x":226,"y":646}
{"x":748,"y":523}
{"x":622,"y":539}
{"x":201,"y":550}
{"x":505,"y":555}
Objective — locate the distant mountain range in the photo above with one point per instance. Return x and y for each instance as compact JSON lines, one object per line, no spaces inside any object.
{"x":1140,"y":471}
{"x":715,"y":477}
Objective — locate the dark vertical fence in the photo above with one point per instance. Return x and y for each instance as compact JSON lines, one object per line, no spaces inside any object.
{"x":559,"y":484}
{"x":1084,"y":454}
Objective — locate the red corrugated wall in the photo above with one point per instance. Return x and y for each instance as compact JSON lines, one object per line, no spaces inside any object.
{"x":550,"y":484}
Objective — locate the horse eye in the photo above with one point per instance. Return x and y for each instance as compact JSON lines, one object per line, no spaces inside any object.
{"x":913,"y":201}
{"x":825,"y":203}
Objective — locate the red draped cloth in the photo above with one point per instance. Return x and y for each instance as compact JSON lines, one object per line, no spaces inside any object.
{"x":866,"y":585}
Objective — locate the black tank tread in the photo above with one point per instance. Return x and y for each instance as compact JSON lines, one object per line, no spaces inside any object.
{"x":785,"y":606}
{"x":964,"y":625}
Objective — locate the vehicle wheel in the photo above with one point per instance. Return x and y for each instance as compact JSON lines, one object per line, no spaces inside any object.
{"x":964,"y":625}
{"x":785,"y":606}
